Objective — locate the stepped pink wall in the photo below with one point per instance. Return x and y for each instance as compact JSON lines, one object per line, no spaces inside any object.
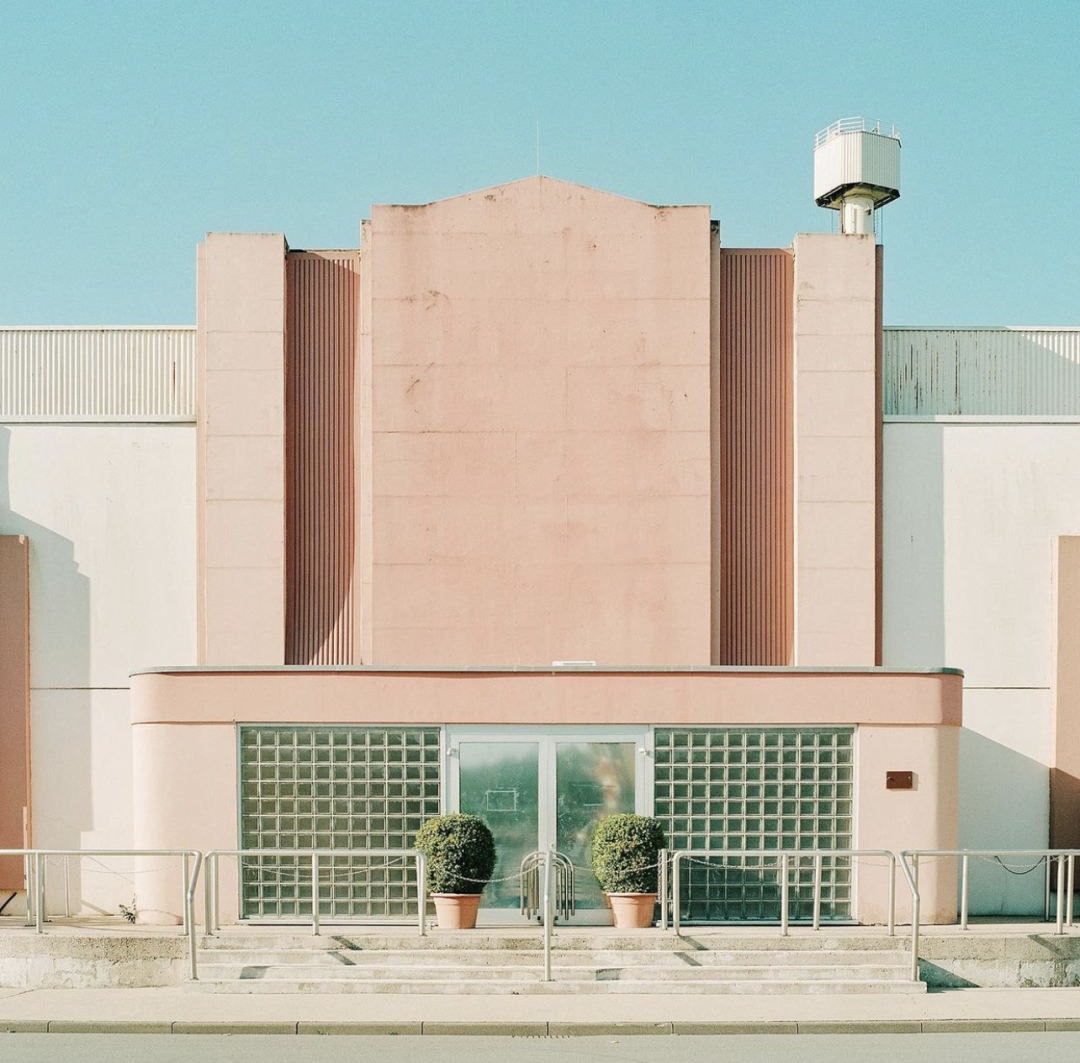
{"x":754,"y":620}
{"x":322,"y":333}
{"x":837,"y":447}
{"x":540,"y":459}
{"x":241,"y":449}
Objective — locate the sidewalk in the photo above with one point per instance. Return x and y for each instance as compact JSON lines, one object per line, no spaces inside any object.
{"x":178,"y":1010}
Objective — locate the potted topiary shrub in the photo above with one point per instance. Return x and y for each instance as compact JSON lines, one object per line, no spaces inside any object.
{"x":625,"y":851}
{"x":460,"y":855}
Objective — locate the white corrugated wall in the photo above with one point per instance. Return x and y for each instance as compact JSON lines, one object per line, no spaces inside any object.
{"x":97,"y":374}
{"x":981,"y":372}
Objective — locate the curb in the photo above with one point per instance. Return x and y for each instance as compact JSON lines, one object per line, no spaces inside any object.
{"x":540,"y":1029}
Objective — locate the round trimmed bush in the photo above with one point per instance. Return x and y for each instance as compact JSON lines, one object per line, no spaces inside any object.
{"x":625,"y":849}
{"x":460,"y":853}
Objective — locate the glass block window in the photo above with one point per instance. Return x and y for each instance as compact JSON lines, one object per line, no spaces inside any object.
{"x":757,"y":788}
{"x":334,"y":788}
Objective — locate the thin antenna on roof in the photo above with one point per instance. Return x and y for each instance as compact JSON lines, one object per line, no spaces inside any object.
{"x":538,"y":147}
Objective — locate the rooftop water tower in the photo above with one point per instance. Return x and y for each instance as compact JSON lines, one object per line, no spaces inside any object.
{"x":856,"y":170}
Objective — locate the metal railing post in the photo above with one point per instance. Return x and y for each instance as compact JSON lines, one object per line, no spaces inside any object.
{"x":185,"y":876}
{"x":965,"y":862}
{"x":676,"y":895}
{"x":892,"y":895}
{"x":67,"y":887}
{"x":208,"y":893}
{"x":916,"y":915}
{"x":1070,"y":889}
{"x":189,"y":915}
{"x":39,"y":892}
{"x":1046,"y":890}
{"x":911,"y":875}
{"x":547,"y":914}
{"x":817,"y":891}
{"x":661,"y":862}
{"x":217,"y":888}
{"x":1061,"y":895}
{"x":784,"y":895}
{"x":315,"y":894}
{"x":421,"y":892}
{"x":28,"y":878}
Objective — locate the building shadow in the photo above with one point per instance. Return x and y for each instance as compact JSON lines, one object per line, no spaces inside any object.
{"x":1003,"y":805}
{"x":62,"y":797}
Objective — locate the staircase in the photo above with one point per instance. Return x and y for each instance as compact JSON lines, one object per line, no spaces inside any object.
{"x":257,"y":960}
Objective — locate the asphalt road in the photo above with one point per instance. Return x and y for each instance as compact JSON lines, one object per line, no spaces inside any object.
{"x":798,"y":1048}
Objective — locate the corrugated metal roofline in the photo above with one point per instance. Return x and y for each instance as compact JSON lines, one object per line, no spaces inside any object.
{"x":1012,"y":371}
{"x":98,"y":328}
{"x":97,"y":374}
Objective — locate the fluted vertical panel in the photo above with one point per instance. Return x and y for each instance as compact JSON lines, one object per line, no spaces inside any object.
{"x":322,"y":330}
{"x":754,"y":352}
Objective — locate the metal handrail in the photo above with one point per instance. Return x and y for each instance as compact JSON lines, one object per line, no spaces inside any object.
{"x":1066,"y":875}
{"x":783,"y":866}
{"x":855,"y":125}
{"x":315,"y":856}
{"x":34,"y":862}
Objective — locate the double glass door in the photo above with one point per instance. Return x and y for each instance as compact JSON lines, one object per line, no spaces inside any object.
{"x":535,"y":790}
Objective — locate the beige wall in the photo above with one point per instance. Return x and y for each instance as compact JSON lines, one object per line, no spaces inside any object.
{"x":185,"y":788}
{"x":539,"y":484}
{"x":241,"y":449}
{"x":836,"y":450}
{"x":924,"y":817}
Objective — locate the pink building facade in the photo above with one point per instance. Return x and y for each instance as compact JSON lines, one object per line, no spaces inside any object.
{"x":542,"y":504}
{"x":534,"y":425}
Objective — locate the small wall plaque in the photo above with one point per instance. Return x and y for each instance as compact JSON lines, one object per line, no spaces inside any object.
{"x":899,"y":780}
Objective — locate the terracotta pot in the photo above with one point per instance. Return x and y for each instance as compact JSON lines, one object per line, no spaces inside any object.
{"x":632,"y":911}
{"x":456,"y":911}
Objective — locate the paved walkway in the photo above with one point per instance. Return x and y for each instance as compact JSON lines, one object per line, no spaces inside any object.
{"x":180,"y":1010}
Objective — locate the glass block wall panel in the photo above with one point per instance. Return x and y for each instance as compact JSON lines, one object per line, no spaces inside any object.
{"x":334,"y":788}
{"x":752,"y":788}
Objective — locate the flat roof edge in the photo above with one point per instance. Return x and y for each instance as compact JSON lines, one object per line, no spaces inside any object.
{"x":391,"y":669}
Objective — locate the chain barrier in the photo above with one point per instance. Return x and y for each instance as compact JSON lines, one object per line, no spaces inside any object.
{"x":794,"y":862}
{"x":1012,"y":868}
{"x":101,"y":869}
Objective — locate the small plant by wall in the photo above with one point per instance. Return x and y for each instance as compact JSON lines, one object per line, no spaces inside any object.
{"x":625,"y":849}
{"x":460,"y":853}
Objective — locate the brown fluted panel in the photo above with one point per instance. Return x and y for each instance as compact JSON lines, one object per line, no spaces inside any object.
{"x":322,"y":329}
{"x":753,"y":350}
{"x":14,"y":705}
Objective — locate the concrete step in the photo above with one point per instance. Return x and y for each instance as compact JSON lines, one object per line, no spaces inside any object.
{"x":652,"y":940}
{"x":565,"y":957}
{"x":390,"y":972}
{"x":533,"y":986}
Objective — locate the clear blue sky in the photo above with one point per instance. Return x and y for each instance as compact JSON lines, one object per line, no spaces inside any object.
{"x":130,"y":128}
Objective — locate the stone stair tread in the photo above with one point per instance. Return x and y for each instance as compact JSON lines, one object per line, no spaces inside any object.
{"x":534,"y":986}
{"x":394,"y":971}
{"x":603,"y":957}
{"x":650,"y":942}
